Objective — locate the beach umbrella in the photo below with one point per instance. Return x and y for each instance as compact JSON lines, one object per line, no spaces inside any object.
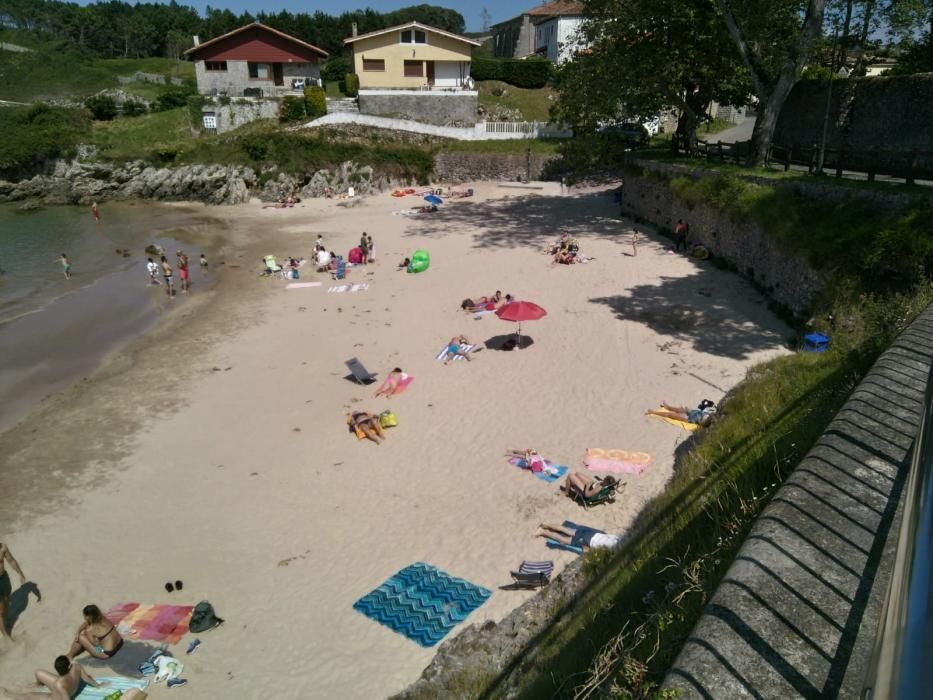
{"x":433,"y":199}
{"x":518,"y":311}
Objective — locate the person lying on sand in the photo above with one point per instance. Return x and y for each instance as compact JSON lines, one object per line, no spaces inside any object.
{"x":588,"y":486}
{"x":393,"y":384}
{"x":368,"y":424}
{"x":533,"y":461}
{"x":425,"y":210}
{"x":583,"y":537}
{"x":70,"y":679}
{"x":456,"y":347}
{"x":480,"y":303}
{"x":404,"y":264}
{"x":702,"y":415}
{"x":97,"y":636}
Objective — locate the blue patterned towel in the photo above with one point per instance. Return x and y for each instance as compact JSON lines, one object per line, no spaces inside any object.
{"x":422,"y":603}
{"x":544,"y":476}
{"x":116,"y":683}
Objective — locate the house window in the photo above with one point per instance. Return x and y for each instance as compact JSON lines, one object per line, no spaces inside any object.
{"x":414,"y":69}
{"x":414,"y":36}
{"x":215,"y":65}
{"x":261,"y":71}
{"x":374,"y":65}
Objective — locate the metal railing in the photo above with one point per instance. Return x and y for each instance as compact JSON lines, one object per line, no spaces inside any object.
{"x":901,"y":664}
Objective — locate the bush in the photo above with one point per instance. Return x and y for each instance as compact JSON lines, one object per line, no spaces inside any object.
{"x":33,"y":135}
{"x":171,"y":100}
{"x":292,"y":109}
{"x":486,"y":69}
{"x":256,"y":146}
{"x":525,"y":73}
{"x":134,"y":108}
{"x":102,"y":107}
{"x":195,"y":103}
{"x":336,"y":68}
{"x":315,"y":101}
{"x":352,"y":84}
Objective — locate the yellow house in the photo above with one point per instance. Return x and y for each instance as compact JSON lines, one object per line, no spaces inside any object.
{"x":411,"y":56}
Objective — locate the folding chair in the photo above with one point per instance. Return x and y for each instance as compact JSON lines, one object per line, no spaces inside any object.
{"x":532,"y":574}
{"x":607,"y":494}
{"x":358,"y":372}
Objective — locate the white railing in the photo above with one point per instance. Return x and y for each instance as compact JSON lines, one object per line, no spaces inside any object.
{"x":529,"y":130}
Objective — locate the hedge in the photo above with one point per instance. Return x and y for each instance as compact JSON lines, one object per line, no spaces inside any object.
{"x":352,"y":84}
{"x":527,"y":73}
{"x":315,"y":101}
{"x":292,"y":109}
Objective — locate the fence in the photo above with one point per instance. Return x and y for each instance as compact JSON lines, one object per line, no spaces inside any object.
{"x":529,"y":130}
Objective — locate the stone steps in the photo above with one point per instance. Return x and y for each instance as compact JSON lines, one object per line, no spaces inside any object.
{"x":346,"y":105}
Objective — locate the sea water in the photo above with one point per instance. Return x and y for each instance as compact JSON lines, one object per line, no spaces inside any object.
{"x":53,"y":331}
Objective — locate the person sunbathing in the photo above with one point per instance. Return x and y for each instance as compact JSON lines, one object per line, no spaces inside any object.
{"x":394,"y":384}
{"x":565,"y":257}
{"x":702,"y":415}
{"x":533,"y":461}
{"x":456,"y":346}
{"x":368,"y":424}
{"x":585,"y":485}
{"x":583,"y":537}
{"x":481,"y":303}
{"x":97,"y":636}
{"x":68,"y":683}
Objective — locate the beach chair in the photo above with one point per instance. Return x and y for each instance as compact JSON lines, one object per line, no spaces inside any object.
{"x":607,"y":494}
{"x":358,"y":372}
{"x":273,"y":267}
{"x":532,"y":574}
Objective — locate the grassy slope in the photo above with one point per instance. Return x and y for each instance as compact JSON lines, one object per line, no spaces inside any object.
{"x":51,"y":71}
{"x":533,"y":104}
{"x":126,"y":139}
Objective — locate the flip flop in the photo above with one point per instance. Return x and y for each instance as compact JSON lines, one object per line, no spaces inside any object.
{"x":176,"y":682}
{"x":169,"y":587}
{"x":179,"y":585}
{"x":193,"y":647}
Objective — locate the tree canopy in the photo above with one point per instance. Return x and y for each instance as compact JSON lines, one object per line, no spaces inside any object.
{"x":118,"y":29}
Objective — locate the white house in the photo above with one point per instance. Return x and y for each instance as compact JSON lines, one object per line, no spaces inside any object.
{"x":557,"y":30}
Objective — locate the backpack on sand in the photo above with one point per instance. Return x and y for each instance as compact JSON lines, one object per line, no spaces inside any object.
{"x":203,"y":618}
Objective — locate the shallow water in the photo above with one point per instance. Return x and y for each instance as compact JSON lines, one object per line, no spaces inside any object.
{"x":53,"y":331}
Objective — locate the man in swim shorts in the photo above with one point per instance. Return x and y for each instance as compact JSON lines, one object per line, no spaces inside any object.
{"x":6,"y":586}
{"x":68,"y":681}
{"x":168,"y":276}
{"x":182,"y":270}
{"x":456,"y":347}
{"x":66,"y":265}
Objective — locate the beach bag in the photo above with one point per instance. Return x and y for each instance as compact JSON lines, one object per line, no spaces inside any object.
{"x":203,"y":618}
{"x":294,"y":274}
{"x":387,"y":419}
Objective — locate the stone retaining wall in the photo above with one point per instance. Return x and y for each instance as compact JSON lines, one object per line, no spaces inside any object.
{"x":474,"y":167}
{"x":445,"y":109}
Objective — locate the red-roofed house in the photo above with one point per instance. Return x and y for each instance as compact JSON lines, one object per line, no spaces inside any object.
{"x":548,"y":30}
{"x":254,"y":60}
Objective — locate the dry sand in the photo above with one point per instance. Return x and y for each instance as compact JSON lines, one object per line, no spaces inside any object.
{"x":216,"y":451}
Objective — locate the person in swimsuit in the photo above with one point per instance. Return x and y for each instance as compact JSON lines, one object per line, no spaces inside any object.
{"x":97,"y":636}
{"x":588,"y":486}
{"x":455,"y":347}
{"x":182,"y":270}
{"x":702,"y":415}
{"x":66,"y":265}
{"x":96,"y":212}
{"x":167,"y":275}
{"x":364,"y":246}
{"x":583,"y":537}
{"x":68,"y":681}
{"x":391,"y":385}
{"x":368,"y":424}
{"x":6,"y":586}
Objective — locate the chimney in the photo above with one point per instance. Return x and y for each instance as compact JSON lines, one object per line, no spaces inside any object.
{"x":353,"y":28}
{"x":197,"y":40}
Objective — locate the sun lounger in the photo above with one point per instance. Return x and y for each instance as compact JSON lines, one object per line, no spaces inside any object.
{"x":359,"y":372}
{"x":532,"y":574}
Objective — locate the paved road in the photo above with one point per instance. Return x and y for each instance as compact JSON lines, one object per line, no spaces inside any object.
{"x":739,"y":132}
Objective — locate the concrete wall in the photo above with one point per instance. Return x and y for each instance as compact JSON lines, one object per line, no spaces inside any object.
{"x":240,"y":111}
{"x":388,"y":47}
{"x":784,"y":277}
{"x":797,"y":612}
{"x":236,"y":78}
{"x":474,"y":167}
{"x":445,"y":108}
{"x":514,"y":38}
{"x":887,"y":113}
{"x":559,"y":35}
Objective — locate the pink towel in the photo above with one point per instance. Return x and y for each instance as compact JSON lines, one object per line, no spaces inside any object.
{"x":616,"y":461}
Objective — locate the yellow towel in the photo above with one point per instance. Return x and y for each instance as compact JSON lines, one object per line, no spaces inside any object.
{"x":689,"y":427}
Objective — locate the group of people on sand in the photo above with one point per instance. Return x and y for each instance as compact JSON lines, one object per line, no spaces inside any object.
{"x":164,"y":269}
{"x":283,"y":202}
{"x":565,"y":250}
{"x":486,"y":303}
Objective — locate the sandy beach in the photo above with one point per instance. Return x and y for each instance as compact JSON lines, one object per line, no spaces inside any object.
{"x":215,"y":449}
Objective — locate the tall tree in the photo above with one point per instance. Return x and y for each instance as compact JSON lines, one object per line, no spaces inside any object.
{"x":775,"y":39}
{"x":647,"y":57}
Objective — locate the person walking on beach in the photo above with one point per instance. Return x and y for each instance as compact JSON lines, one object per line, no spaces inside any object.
{"x":96,"y":212}
{"x":182,"y":270}
{"x":153,"y":269}
{"x":167,"y":275}
{"x":372,"y":248}
{"x":364,"y":246}
{"x":680,"y":236}
{"x":6,"y":586}
{"x":66,"y":265}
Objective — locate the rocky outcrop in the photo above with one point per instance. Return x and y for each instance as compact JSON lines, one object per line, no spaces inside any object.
{"x":83,"y":181}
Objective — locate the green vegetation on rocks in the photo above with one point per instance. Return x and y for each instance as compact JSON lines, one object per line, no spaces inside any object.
{"x":33,"y":135}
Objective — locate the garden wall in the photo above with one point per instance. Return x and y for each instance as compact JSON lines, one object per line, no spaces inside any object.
{"x":444,"y":108}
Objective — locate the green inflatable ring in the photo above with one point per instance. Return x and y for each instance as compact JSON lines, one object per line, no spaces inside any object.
{"x":420,"y":261}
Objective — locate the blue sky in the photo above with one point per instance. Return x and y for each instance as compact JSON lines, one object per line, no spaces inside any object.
{"x":470,"y":9}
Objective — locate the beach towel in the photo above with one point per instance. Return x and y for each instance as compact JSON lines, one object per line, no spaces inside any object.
{"x":302,"y":285}
{"x":581,"y":535}
{"x":402,"y":385}
{"x":484,"y":312}
{"x":443,"y":352}
{"x":422,"y":602}
{"x":347,"y":288}
{"x":556,"y":470}
{"x":115,"y":683}
{"x":616,"y":461}
{"x":689,"y":427}
{"x":160,"y":623}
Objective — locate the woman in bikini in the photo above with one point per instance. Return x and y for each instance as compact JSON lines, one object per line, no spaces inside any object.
{"x":393,"y":384}
{"x":97,"y":636}
{"x":368,"y":424}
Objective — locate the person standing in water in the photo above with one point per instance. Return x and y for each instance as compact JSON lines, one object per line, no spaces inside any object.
{"x":66,"y":265}
{"x":203,"y":263}
{"x":95,"y":210}
{"x":167,"y":275}
{"x":183,"y":270}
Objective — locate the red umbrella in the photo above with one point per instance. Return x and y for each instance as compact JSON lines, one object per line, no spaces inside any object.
{"x":519,"y":311}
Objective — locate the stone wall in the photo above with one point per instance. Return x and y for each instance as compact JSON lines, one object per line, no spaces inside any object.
{"x":142,"y":77}
{"x":444,"y":108}
{"x":237,"y":111}
{"x":784,"y":277}
{"x":473,"y":167}
{"x":888,"y":113}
